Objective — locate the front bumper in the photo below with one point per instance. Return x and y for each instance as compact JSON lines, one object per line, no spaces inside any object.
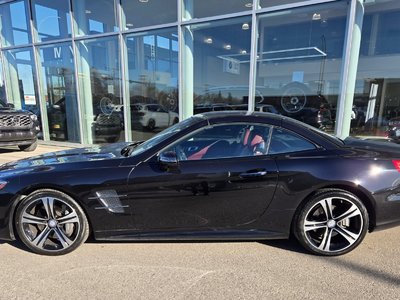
{"x":17,"y":137}
{"x":8,"y":205}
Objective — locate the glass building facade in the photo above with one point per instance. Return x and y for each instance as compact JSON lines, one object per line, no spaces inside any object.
{"x":100,"y":71}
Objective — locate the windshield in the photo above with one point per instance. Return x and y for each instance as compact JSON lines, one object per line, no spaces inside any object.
{"x":165,"y":134}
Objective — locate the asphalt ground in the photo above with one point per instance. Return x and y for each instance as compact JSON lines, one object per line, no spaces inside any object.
{"x":200,"y":270}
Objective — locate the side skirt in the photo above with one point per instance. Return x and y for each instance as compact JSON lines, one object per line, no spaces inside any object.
{"x":190,"y":235}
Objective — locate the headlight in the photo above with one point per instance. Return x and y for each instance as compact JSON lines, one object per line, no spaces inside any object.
{"x":34,"y":117}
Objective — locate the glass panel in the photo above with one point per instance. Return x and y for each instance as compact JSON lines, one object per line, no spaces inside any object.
{"x":219,"y":58}
{"x":376,"y":106}
{"x":3,"y":97}
{"x":100,"y":90}
{"x":21,"y":79}
{"x":283,"y":141}
{"x":52,"y":19}
{"x":94,"y":17}
{"x":194,"y":9}
{"x":141,"y":13}
{"x":153,"y":81}
{"x":58,"y":84}
{"x":224,"y":141}
{"x":271,"y":3}
{"x":299,"y":61}
{"x":15,"y":29}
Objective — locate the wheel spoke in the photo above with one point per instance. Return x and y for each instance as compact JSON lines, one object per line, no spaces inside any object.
{"x":62,"y":237}
{"x":31,"y":219}
{"x":70,"y":218}
{"x":313,"y":225}
{"x":327,"y":207}
{"x":353,"y":211}
{"x":48,"y":204}
{"x":42,"y":237}
{"x":348,"y":235}
{"x":326,"y":241}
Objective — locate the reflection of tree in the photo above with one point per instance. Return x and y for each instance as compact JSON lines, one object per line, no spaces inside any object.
{"x":210,"y":98}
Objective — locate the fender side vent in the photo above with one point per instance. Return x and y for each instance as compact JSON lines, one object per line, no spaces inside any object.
{"x":110,"y":200}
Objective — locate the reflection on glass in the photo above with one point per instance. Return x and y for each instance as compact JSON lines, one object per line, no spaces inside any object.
{"x":15,"y":29}
{"x":141,"y":13}
{"x":94,"y":17}
{"x":58,"y":84}
{"x":220,"y":59}
{"x":2,"y":86}
{"x":20,"y":77}
{"x":376,"y":106}
{"x":153,"y":81}
{"x":194,"y":9}
{"x":100,"y":87}
{"x":51,"y":19}
{"x":298,"y":63}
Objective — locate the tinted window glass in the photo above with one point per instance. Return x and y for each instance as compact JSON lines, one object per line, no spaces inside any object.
{"x":284,"y":141}
{"x":223,"y":141}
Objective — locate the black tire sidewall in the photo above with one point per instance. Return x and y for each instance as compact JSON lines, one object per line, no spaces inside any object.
{"x":83,"y":230}
{"x":302,"y":213}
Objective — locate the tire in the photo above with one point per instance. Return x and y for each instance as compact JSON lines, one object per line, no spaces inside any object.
{"x":28,"y":148}
{"x":50,"y":222}
{"x":333,"y":222}
{"x":151,"y":125}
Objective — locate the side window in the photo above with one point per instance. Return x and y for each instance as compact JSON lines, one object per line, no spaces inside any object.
{"x":224,"y":141}
{"x":284,"y":141}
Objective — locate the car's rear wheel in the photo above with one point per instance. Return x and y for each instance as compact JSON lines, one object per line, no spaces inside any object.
{"x":333,"y":222}
{"x":50,"y":222}
{"x":29,"y":147}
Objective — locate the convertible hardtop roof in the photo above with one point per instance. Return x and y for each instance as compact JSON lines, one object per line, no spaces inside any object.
{"x":241,"y":115}
{"x":321,"y":138}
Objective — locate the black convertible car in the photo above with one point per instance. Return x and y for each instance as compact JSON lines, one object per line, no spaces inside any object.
{"x":216,"y":176}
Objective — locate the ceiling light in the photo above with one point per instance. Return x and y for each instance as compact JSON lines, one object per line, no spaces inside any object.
{"x":243,"y":52}
{"x":249,"y":5}
{"x":208,"y":40}
{"x":228,"y":47}
{"x":129,"y":25}
{"x":245,"y":26}
{"x":316,"y":17}
{"x":88,"y":11}
{"x":143,"y":1}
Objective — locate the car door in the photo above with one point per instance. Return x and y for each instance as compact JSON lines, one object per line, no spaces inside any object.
{"x":224,"y":190}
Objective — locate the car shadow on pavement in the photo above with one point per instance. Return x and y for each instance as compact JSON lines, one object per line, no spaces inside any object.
{"x":289,"y":245}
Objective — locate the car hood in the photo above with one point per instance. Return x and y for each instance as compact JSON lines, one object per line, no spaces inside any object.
{"x":96,"y":153}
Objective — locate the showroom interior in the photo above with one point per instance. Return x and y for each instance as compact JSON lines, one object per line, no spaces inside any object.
{"x":101,"y":71}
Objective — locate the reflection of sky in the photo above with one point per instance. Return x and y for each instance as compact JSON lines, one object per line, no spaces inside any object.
{"x":47,"y":20}
{"x":18,"y":16}
{"x":25,"y":73}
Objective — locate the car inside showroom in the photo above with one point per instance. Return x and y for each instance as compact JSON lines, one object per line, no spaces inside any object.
{"x":101,"y":71}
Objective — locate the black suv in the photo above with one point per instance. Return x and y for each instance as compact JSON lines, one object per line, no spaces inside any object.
{"x":18,"y":127}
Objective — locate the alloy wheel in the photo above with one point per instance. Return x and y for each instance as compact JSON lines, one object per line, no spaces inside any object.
{"x":51,"y":223}
{"x":332,"y":223}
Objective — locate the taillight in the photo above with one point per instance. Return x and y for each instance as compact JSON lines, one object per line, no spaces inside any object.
{"x":396,"y":164}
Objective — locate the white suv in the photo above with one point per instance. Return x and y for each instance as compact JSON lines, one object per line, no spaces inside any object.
{"x":153,"y":116}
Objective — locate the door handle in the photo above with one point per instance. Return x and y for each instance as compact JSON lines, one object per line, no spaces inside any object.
{"x":253,"y":174}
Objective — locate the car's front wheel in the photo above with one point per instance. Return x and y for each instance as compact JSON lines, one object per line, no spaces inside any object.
{"x":50,"y":222}
{"x":333,"y":222}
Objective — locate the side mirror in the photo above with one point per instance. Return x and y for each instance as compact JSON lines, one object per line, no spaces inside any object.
{"x":168,"y":160}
